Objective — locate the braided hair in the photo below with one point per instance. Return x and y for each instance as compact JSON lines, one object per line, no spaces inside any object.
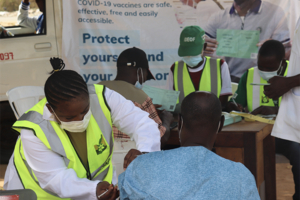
{"x":63,"y":85}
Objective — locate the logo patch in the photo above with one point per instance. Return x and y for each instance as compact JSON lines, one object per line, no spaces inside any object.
{"x":101,"y":146}
{"x":264,"y":99}
{"x":189,"y":39}
{"x":203,"y":37}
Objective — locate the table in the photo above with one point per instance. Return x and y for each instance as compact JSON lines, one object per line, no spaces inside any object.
{"x":250,"y":143}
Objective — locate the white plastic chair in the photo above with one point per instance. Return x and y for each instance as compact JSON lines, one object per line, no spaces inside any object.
{"x":23,"y":98}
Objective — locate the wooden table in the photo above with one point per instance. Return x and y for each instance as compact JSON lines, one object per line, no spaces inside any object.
{"x":251,"y":144}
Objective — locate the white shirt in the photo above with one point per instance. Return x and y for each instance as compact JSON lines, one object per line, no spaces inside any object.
{"x":226,"y":80}
{"x":52,"y":173}
{"x":287,"y":124}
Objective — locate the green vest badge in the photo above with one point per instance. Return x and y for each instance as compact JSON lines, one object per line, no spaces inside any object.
{"x":101,"y":146}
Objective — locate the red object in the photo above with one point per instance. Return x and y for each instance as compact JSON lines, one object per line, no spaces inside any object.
{"x":9,"y":197}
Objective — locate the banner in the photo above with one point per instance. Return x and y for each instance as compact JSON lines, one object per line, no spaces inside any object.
{"x":95,"y":32}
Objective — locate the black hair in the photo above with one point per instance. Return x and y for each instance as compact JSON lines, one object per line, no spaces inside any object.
{"x":203,"y":109}
{"x":63,"y":85}
{"x":272,"y":48}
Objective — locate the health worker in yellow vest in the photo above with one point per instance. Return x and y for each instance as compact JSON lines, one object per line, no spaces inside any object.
{"x":196,"y":72}
{"x":66,"y":140}
{"x":270,"y":63}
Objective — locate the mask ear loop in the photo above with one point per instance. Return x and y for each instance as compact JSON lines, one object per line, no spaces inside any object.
{"x":280,"y":68}
{"x":55,"y":113}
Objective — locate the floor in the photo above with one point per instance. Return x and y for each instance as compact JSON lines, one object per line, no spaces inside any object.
{"x":284,"y":180}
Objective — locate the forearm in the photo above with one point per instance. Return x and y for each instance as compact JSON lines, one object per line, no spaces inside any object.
{"x":23,"y":19}
{"x":164,"y":139}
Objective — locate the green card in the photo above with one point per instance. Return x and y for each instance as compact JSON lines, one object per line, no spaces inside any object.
{"x":237,"y":43}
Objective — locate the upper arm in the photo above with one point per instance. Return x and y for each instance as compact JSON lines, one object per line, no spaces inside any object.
{"x":226,"y":80}
{"x":134,"y":122}
{"x":211,"y":27}
{"x":281,"y":31}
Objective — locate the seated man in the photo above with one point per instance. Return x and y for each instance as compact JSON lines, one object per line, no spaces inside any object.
{"x":270,"y":63}
{"x":196,"y":72}
{"x":192,"y":171}
{"x":38,"y":24}
{"x":132,"y":72}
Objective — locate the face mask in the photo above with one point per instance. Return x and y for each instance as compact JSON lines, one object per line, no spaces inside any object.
{"x":138,"y":84}
{"x":192,"y":61}
{"x":268,"y":75}
{"x":76,"y":126}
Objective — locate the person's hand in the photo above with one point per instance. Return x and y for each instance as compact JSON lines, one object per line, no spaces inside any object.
{"x":231,"y":106}
{"x":166,"y":118}
{"x":278,"y":86}
{"x":158,"y":106}
{"x":212,"y":45}
{"x":265,"y":110}
{"x":131,"y":155}
{"x":111,"y":191}
{"x":262,"y":42}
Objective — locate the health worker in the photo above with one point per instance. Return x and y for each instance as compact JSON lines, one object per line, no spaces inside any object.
{"x":66,"y":140}
{"x":196,"y":72}
{"x":270,"y":64}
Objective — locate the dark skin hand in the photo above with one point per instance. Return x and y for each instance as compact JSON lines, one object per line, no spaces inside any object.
{"x":131,"y":155}
{"x":265,"y":110}
{"x":223,"y":100}
{"x":231,"y":106}
{"x":111,"y":194}
{"x":281,"y":85}
{"x":166,"y":118}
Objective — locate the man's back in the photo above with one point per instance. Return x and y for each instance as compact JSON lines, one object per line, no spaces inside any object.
{"x":186,"y":173}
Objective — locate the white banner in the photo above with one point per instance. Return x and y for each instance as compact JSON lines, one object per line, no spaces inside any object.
{"x":95,"y":32}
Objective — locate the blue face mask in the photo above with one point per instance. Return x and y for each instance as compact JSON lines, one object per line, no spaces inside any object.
{"x":192,"y":61}
{"x":138,"y":84}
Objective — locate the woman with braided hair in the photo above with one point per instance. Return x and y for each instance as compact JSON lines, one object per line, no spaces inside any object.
{"x":66,"y":141}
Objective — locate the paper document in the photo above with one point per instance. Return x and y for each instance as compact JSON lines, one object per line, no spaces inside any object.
{"x":230,"y":118}
{"x":237,"y":43}
{"x":166,"y":98}
{"x":259,"y":118}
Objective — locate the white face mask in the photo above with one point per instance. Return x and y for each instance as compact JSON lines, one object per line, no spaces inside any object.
{"x":138,"y":84}
{"x":268,"y":75}
{"x":192,"y":61}
{"x":76,"y":126}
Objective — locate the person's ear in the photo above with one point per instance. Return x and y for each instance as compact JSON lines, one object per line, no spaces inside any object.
{"x":221,"y":123}
{"x":49,"y":108}
{"x":204,"y":46}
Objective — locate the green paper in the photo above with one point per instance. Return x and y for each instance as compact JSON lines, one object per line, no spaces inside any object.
{"x":237,"y":43}
{"x":166,"y":98}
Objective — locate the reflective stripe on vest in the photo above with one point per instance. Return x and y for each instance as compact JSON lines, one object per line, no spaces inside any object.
{"x":210,"y":80}
{"x":54,"y":138}
{"x":255,"y":94}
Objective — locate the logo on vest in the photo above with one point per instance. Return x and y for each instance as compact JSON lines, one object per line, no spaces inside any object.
{"x":189,"y":39}
{"x":101,"y":146}
{"x":264,"y":99}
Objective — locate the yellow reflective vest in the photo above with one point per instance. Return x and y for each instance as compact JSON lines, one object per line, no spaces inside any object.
{"x":255,"y":94}
{"x":99,"y":137}
{"x":210,"y":81}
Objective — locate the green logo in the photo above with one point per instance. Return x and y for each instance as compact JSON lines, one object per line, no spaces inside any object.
{"x":101,"y":146}
{"x":265,"y":99}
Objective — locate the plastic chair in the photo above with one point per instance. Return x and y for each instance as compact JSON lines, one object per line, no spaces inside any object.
{"x":23,"y":98}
